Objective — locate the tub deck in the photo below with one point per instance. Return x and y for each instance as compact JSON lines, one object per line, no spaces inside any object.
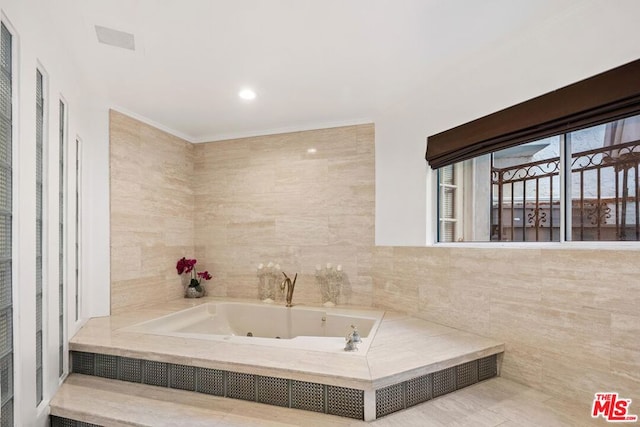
{"x":403,"y":348}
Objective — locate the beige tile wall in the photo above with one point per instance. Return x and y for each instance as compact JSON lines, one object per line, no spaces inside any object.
{"x":570,"y":319}
{"x":235,"y":204}
{"x":151,"y":212}
{"x":266,"y":199}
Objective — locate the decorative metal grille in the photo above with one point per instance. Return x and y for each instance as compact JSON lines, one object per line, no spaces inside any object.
{"x":341,"y":401}
{"x":62,"y":422}
{"x":487,"y":367}
{"x":67,"y":422}
{"x":210,"y":381}
{"x":273,"y":391}
{"x":182,"y":377}
{"x":307,"y":396}
{"x":106,"y":366}
{"x":83,"y":363}
{"x":444,"y":381}
{"x":466,"y":374}
{"x":345,"y":402}
{"x":419,"y":389}
{"x":156,"y":373}
{"x":389,"y":399}
{"x":130,"y":369}
{"x":602,"y":188}
{"x":241,"y":386}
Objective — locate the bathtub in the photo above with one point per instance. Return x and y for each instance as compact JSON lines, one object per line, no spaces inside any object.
{"x":300,"y":327}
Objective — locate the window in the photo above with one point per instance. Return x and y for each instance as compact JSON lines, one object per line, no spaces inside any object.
{"x":6,"y":212}
{"x":562,"y":166}
{"x":603,"y":186}
{"x":525,"y":192}
{"x":77,"y":232}
{"x":576,"y":186}
{"x":61,"y":229}
{"x":39,"y":228}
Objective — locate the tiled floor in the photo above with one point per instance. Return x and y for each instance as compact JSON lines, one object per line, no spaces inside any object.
{"x":495,"y":402}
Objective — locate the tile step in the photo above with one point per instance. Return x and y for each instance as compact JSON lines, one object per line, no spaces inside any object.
{"x":87,"y":401}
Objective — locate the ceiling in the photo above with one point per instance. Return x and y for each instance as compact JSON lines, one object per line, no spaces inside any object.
{"x":312,"y":63}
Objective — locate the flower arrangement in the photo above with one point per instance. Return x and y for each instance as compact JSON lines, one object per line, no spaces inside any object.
{"x":188,"y":266}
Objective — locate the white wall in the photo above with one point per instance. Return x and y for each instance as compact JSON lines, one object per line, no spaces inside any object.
{"x":37,"y":46}
{"x":576,"y":44}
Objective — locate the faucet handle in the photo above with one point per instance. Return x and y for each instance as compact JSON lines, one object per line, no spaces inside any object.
{"x":355,"y":335}
{"x":287,"y":277}
{"x":353,"y":339}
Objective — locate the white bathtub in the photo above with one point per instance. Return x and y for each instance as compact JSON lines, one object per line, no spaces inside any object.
{"x":309,"y":328}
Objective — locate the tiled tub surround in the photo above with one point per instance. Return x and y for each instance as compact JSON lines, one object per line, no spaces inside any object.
{"x":232,"y":204}
{"x":267,"y":198}
{"x":404,"y":349}
{"x":151,"y":212}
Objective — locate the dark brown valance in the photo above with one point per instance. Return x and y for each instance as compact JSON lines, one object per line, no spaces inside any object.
{"x":608,"y":96}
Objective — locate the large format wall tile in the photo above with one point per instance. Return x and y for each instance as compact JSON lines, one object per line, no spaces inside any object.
{"x":569,"y":317}
{"x":151,"y":212}
{"x":267,"y":199}
{"x":236,"y":204}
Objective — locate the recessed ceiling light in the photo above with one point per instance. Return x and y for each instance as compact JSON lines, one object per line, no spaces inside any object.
{"x":247,"y":94}
{"x":312,"y":151}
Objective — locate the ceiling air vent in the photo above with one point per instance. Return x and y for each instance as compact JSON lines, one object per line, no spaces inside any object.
{"x":115,"y":38}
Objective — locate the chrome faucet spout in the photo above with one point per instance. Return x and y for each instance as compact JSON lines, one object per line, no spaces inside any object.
{"x":289,"y":286}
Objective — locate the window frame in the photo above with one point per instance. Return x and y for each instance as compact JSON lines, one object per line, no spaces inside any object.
{"x":565,"y":212}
